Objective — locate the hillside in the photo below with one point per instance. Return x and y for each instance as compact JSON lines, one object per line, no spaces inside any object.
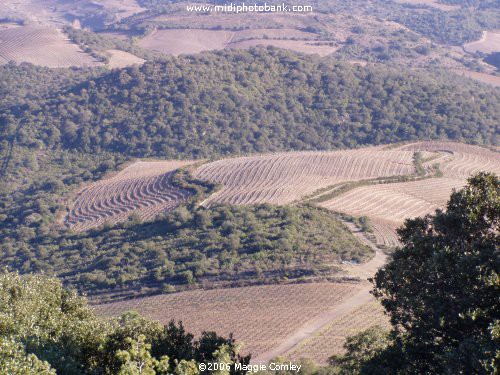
{"x":258,"y":101}
{"x":286,"y":177}
{"x":192,"y":248}
{"x":389,"y":205}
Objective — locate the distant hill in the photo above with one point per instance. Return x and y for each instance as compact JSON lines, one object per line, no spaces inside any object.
{"x":233,"y":102}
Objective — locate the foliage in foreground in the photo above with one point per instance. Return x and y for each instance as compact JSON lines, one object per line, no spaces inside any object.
{"x":441,"y":291}
{"x":45,"y":328}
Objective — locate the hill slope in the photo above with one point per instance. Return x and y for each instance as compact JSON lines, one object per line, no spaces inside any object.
{"x":234,"y":102}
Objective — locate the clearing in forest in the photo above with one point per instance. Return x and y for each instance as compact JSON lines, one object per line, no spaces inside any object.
{"x":489,"y":43}
{"x":143,"y":188}
{"x":41,"y":45}
{"x":122,"y":59}
{"x":186,"y":41}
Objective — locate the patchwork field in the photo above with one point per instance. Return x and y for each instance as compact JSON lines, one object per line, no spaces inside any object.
{"x":43,"y":46}
{"x":330,"y":340}
{"x":388,"y":205}
{"x":431,"y":3}
{"x":287,"y":177}
{"x":261,"y":317}
{"x":284,"y":177}
{"x":184,"y":41}
{"x":336,"y":180}
{"x":143,"y":189}
{"x":489,"y":43}
{"x":121,"y":59}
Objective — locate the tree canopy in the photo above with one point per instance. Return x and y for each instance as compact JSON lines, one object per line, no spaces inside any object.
{"x":45,"y":328}
{"x":234,"y":102}
{"x":441,"y":289}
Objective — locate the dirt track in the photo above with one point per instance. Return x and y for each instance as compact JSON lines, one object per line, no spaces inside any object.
{"x":319,"y":322}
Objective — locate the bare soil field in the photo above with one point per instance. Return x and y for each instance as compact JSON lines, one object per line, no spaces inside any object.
{"x":121,"y":59}
{"x":123,"y":8}
{"x":393,"y":203}
{"x":481,"y":77}
{"x":43,"y":46}
{"x":330,"y":340}
{"x":143,"y":188}
{"x":388,"y":205}
{"x":385,"y":233}
{"x":186,"y":41}
{"x":489,"y":43}
{"x":285,"y":177}
{"x":432,"y":3}
{"x":261,"y":317}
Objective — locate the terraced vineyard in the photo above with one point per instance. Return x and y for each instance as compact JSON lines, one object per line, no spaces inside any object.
{"x":143,"y":188}
{"x":261,"y":317}
{"x":395,"y":202}
{"x":463,"y":159}
{"x":385,"y":233}
{"x":39,"y":45}
{"x":285,"y":177}
{"x":388,"y":205}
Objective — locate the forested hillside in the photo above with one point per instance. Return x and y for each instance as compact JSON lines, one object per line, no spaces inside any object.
{"x":263,"y":100}
{"x":209,"y":105}
{"x":226,"y":245}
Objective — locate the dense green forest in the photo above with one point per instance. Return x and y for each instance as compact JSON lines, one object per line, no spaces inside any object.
{"x":226,"y":245}
{"x":234,"y":102}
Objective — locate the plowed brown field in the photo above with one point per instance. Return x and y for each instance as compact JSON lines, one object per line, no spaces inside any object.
{"x":388,"y":205}
{"x":143,"y":188}
{"x":41,"y":45}
{"x":285,"y":177}
{"x":330,"y":340}
{"x":261,"y":317}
